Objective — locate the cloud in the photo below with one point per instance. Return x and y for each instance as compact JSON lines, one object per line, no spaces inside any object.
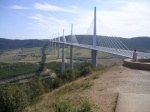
{"x":49,"y":7}
{"x":46,"y":7}
{"x":19,"y":7}
{"x":129,"y":20}
{"x":74,"y":7}
{"x":48,"y":23}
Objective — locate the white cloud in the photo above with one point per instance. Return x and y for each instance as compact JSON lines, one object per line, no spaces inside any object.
{"x":49,"y":7}
{"x":19,"y":7}
{"x":74,"y":7}
{"x":48,"y":23}
{"x":130,"y":20}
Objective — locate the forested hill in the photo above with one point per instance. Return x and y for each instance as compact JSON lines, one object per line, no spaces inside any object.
{"x":14,"y":44}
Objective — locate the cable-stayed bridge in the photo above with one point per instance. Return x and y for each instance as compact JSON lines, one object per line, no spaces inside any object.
{"x":108,"y":44}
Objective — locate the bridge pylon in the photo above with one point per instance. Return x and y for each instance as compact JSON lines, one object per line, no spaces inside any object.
{"x":71,"y":49}
{"x":94,"y":52}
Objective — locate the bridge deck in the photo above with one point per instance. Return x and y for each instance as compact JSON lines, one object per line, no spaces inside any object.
{"x":120,"y":52}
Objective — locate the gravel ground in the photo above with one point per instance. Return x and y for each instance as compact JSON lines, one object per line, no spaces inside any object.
{"x":118,"y":79}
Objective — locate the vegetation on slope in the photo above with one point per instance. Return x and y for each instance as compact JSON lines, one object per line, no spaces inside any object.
{"x":69,"y":97}
{"x":8,"y":70}
{"x":17,"y":97}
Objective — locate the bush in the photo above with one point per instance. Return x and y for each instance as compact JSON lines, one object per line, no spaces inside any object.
{"x":86,"y":64}
{"x":86,"y":69}
{"x":35,"y":89}
{"x":67,"y":75}
{"x":13,"y":99}
{"x":57,"y":82}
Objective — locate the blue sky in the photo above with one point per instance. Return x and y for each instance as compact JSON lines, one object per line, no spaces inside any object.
{"x":43,"y":19}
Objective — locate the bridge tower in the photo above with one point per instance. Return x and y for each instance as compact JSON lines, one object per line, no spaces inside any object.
{"x":71,"y":49}
{"x":58,"y":47}
{"x":63,"y":54}
{"x":94,"y":52}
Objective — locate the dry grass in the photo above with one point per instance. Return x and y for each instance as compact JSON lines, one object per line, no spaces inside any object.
{"x":30,"y":55}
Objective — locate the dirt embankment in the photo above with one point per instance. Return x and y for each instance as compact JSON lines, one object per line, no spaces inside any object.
{"x":118,"y":79}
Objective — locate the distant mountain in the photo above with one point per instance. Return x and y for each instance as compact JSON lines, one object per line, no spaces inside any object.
{"x":14,"y":44}
{"x":139,"y":43}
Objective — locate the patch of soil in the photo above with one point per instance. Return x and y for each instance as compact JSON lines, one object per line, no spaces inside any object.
{"x":118,"y":79}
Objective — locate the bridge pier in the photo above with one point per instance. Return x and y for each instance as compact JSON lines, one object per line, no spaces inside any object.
{"x":63,"y":54}
{"x":94,"y":57}
{"x":52,"y":45}
{"x":55,"y":46}
{"x":63,"y":58}
{"x":58,"y":47}
{"x":71,"y":57}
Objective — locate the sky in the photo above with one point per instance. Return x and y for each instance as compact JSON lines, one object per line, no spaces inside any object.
{"x":45,"y":19}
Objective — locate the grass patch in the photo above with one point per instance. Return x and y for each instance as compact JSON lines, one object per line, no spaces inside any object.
{"x":78,"y":104}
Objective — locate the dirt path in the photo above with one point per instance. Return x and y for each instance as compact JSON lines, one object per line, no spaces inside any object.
{"x":118,"y":79}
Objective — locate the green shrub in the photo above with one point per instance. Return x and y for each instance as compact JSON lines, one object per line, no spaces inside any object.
{"x":35,"y":89}
{"x":57,"y":82}
{"x":67,"y":75}
{"x":13,"y":99}
{"x":86,"y":64}
{"x":86,"y":71}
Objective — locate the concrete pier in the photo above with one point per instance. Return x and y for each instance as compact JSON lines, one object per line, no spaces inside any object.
{"x":63,"y":54}
{"x":55,"y":45}
{"x":58,"y":47}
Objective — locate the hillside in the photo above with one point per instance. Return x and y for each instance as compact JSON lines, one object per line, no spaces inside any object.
{"x":14,"y":44}
{"x":98,"y":91}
